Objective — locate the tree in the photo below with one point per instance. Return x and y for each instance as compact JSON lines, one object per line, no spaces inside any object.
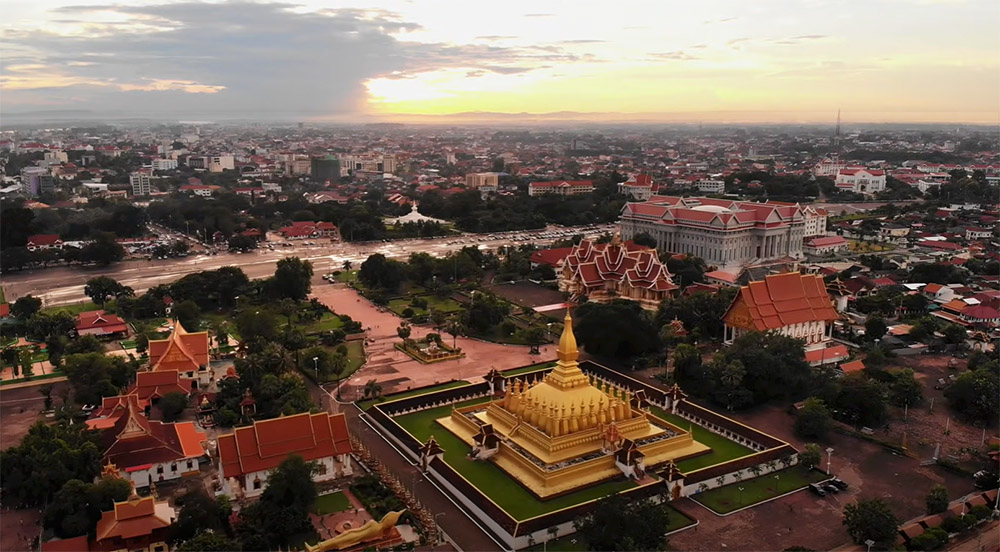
{"x":257,"y":326}
{"x":242,"y":243}
{"x":904,"y":389}
{"x":875,"y":328}
{"x":94,"y":376}
{"x":283,"y":509}
{"x":347,"y":265}
{"x":862,"y":400}
{"x":101,"y":288}
{"x":620,"y":329}
{"x":811,"y":456}
{"x":975,"y":395}
{"x":199,"y":513}
{"x":209,"y":541}
{"x":25,"y":307}
{"x":372,"y":389}
{"x":48,"y":456}
{"x":45,"y":390}
{"x":172,"y":405}
{"x":379,"y":272}
{"x":937,"y":500}
{"x":814,"y":420}
{"x":617,"y":523}
{"x":103,"y":250}
{"x":774,"y":365}
{"x":293,"y":278}
{"x":871,"y":520}
{"x":454,"y":329}
{"x":404,"y":330}
{"x":77,"y":507}
{"x":643,"y":238}
{"x":44,"y":325}
{"x":187,"y":313}
{"x":141,"y":343}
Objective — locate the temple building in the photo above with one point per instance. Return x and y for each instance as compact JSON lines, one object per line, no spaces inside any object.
{"x":149,"y":451}
{"x":249,"y":454}
{"x":723,"y":232}
{"x":792,"y":304}
{"x":185,"y":352}
{"x":616,"y":270}
{"x":563,"y":432}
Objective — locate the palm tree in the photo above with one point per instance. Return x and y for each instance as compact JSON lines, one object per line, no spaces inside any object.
{"x":347,"y":265}
{"x":454,"y":329}
{"x":372,"y":389}
{"x":755,"y":470}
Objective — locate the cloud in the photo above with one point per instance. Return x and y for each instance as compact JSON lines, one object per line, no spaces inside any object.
{"x":808,"y":37}
{"x":539,"y":14}
{"x":582,"y":41}
{"x":723,"y":20}
{"x":677,"y":55}
{"x":246,"y":57}
{"x":736,"y":42}
{"x":494,"y":37}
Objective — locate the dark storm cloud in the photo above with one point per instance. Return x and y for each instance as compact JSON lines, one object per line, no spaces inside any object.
{"x":266,"y":56}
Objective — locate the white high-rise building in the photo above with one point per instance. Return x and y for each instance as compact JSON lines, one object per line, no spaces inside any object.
{"x":141,"y":183}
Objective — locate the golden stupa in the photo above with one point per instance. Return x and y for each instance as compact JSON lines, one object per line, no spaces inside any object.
{"x":561,"y":432}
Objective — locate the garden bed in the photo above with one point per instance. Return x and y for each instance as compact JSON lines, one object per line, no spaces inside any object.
{"x":728,"y":498}
{"x":331,"y":503}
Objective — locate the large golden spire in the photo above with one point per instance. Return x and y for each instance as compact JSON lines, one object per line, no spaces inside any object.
{"x":567,"y":341}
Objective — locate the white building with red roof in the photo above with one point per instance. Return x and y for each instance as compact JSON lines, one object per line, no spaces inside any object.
{"x":792,"y":304}
{"x":861,"y":181}
{"x":561,"y":187}
{"x":824,"y":245}
{"x":724,"y":233}
{"x":99,"y":323}
{"x":44,"y":241}
{"x":639,"y":187}
{"x":249,"y":454}
{"x":616,"y":270}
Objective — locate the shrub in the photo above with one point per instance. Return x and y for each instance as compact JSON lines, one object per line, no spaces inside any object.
{"x":407,"y":312}
{"x":954,"y":524}
{"x":418,"y":303}
{"x":980,"y":512}
{"x":924,"y":541}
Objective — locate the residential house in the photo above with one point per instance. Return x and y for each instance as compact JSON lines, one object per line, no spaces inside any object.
{"x":824,"y":245}
{"x":38,"y":242}
{"x":100,"y":323}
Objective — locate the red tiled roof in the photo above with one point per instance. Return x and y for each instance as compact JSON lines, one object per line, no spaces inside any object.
{"x":562,"y":183}
{"x":100,"y":319}
{"x":182,"y":351}
{"x":781,"y":300}
{"x":75,"y":544}
{"x":135,"y":517}
{"x":827,"y":355}
{"x":267,"y":443}
{"x":157,"y":384}
{"x":980,"y":312}
{"x":44,"y":239}
{"x":853,"y":366}
{"x":939,"y":244}
{"x":134,"y":440}
{"x":826,"y":241}
{"x":551,"y":257}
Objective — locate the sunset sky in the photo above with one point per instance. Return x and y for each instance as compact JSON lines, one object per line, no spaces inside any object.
{"x":708,"y":60}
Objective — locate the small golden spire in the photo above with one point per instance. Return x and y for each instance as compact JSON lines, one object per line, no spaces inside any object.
{"x":567,"y":341}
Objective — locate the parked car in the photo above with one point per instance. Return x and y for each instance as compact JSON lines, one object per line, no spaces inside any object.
{"x":839,"y":483}
{"x":817,"y":490}
{"x":831,"y":488}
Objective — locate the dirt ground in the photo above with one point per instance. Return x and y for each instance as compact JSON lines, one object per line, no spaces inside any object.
{"x":527,"y":294}
{"x":19,"y":409}
{"x":807,"y":520}
{"x":18,"y":528}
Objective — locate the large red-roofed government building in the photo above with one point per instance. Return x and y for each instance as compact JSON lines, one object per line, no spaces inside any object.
{"x":561,"y":187}
{"x":249,"y":454}
{"x":792,"y":304}
{"x":724,"y":233}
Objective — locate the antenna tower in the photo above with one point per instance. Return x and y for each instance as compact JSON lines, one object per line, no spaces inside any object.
{"x":836,"y":140}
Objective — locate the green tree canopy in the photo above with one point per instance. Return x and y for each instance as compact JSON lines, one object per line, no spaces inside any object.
{"x":101,"y":288}
{"x":620,"y":329}
{"x":617,"y":523}
{"x":48,"y":456}
{"x":937,"y":500}
{"x":25,"y":307}
{"x":814,"y":419}
{"x":871,"y":520}
{"x":292,"y":278}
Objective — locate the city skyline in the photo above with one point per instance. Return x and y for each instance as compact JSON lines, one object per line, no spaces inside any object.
{"x":917,"y":61}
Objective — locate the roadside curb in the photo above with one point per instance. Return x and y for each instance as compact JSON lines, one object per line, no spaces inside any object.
{"x":32,"y":383}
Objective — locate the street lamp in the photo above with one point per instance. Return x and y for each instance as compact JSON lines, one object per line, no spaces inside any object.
{"x":741,"y":495}
{"x":869,"y":542}
{"x":829,"y":458}
{"x":316,"y":368}
{"x":437,"y":528}
{"x":777,"y":482}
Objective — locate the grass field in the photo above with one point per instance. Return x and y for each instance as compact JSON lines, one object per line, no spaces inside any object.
{"x":74,"y":309}
{"x":347,"y":276}
{"x":329,"y":321}
{"x":723,"y":450}
{"x":366,"y":404}
{"x":445,"y":305}
{"x":491,"y":480}
{"x":331,"y":503}
{"x":728,"y":498}
{"x":526,"y":369}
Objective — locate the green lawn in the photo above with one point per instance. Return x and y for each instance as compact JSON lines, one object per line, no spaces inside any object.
{"x":331,"y":503}
{"x":723,"y":450}
{"x":3,"y":298}
{"x":127,"y":344}
{"x":75,"y":308}
{"x":347,"y":276}
{"x":445,"y":305}
{"x":327,"y":322}
{"x":728,"y":498}
{"x":366,"y":404}
{"x":491,"y":480}
{"x":527,"y":369}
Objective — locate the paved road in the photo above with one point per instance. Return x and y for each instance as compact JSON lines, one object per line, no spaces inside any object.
{"x":64,"y":285}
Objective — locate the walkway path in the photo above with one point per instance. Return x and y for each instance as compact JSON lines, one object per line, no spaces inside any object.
{"x":394,"y":370}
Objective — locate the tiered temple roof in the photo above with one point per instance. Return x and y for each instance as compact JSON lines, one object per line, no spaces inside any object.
{"x":593,"y":265}
{"x":182,"y":351}
{"x":781,"y":300}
